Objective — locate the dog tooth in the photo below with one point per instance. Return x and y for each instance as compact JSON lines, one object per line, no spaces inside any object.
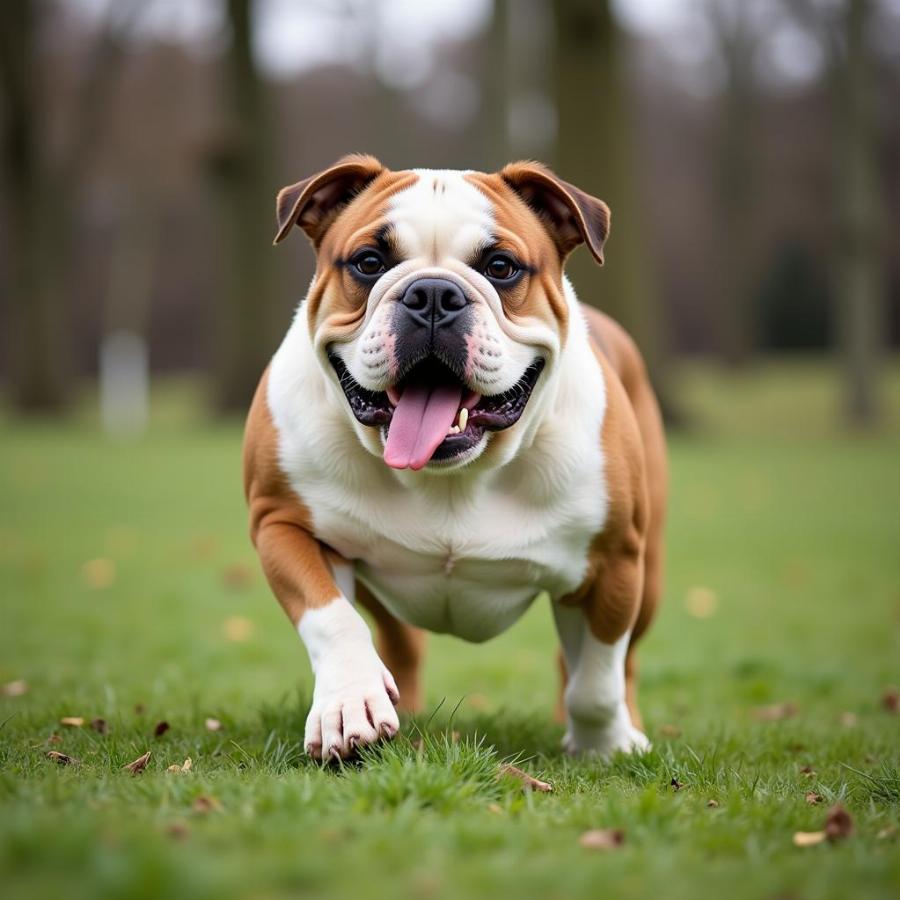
{"x":463,"y":419}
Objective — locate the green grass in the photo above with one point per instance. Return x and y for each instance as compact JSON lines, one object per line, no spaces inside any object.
{"x":792,"y":528}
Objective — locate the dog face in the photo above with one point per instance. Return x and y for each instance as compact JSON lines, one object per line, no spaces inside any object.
{"x":438,"y":303}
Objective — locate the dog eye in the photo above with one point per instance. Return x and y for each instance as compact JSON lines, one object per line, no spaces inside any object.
{"x":500,"y":268}
{"x":369,"y":264}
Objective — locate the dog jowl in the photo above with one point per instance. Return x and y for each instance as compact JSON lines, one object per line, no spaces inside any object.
{"x":446,"y":433}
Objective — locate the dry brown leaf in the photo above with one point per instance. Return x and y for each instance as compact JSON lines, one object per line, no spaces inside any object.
{"x":98,"y":573}
{"x":204,"y":804}
{"x":61,"y":758}
{"x":213,"y":725}
{"x":712,"y":804}
{"x":188,"y":765}
{"x":161,"y":728}
{"x":237,"y":576}
{"x":54,"y":738}
{"x":138,"y":765}
{"x":890,"y":700}
{"x":602,"y":839}
{"x":676,"y":784}
{"x":838,"y":824}
{"x":178,"y":831}
{"x":701,"y":602}
{"x":812,"y":798}
{"x":529,"y":782}
{"x":72,"y":721}
{"x":775,"y":712}
{"x":808,"y":838}
{"x":174,"y":768}
{"x":100,"y":726}
{"x":808,"y":772}
{"x":183,"y":768}
{"x":672,"y":731}
{"x":15,"y":688}
{"x":237,"y":629}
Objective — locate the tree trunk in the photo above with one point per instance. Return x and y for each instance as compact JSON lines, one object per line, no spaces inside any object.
{"x":34,"y":340}
{"x":244,"y":202}
{"x":859,"y":275}
{"x":595,"y":151}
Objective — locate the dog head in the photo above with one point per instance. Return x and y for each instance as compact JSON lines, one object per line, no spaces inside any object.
{"x":438,"y":304}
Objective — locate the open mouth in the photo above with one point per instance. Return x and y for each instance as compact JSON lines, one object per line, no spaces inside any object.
{"x":430,"y":415}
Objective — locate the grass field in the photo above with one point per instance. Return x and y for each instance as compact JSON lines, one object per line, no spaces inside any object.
{"x":130,"y":593}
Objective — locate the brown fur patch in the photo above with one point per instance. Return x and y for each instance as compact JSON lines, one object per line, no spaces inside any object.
{"x":295,"y":563}
{"x":518,"y":229}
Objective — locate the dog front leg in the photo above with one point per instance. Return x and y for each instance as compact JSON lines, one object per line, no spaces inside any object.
{"x":354,"y":695}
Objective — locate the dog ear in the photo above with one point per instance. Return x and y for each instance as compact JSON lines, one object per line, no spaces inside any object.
{"x":313,"y":204}
{"x":569,"y":214}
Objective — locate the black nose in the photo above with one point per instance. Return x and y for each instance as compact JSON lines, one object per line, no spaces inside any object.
{"x":434,"y":301}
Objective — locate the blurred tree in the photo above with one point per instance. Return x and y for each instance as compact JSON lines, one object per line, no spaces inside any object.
{"x":737,"y":30}
{"x":239,"y":165}
{"x":595,"y":150}
{"x":844,"y":30}
{"x":496,"y":88}
{"x":42,"y":180}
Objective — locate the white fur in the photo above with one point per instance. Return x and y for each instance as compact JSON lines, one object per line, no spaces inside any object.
{"x":351,"y":699}
{"x":597,"y":717}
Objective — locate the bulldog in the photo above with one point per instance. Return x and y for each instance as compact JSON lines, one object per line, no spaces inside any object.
{"x":445,"y":435}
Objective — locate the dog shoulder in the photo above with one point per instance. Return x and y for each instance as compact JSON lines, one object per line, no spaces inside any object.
{"x":268,"y":493}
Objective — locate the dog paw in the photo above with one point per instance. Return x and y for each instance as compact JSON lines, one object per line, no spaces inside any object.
{"x":353,"y":705}
{"x":618,"y":736}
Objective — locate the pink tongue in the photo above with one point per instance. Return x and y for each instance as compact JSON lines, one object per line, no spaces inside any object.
{"x":420,"y":424}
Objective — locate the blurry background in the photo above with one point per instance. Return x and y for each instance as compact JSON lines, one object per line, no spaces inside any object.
{"x":749,"y":152}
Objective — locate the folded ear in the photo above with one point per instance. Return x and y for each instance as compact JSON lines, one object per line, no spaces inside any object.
{"x":569,"y":214}
{"x":314,"y":203}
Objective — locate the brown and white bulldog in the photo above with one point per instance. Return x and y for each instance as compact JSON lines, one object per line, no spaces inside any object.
{"x":444,"y":435}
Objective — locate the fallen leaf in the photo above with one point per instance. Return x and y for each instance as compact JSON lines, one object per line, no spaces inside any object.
{"x":701,"y":602}
{"x":775,"y":712}
{"x":808,"y":772}
{"x":173,"y":768}
{"x":812,"y":798}
{"x":808,"y":838}
{"x":676,"y":784}
{"x":54,"y":738}
{"x":188,"y":765}
{"x":213,"y":725}
{"x":178,"y":831}
{"x":205,"y":804}
{"x":161,"y":728}
{"x":848,"y":719}
{"x":838,"y":824}
{"x":183,"y":768}
{"x":72,"y":721}
{"x":529,"y":782}
{"x":61,"y":758}
{"x":139,"y":764}
{"x":672,"y":731}
{"x":100,"y":726}
{"x":602,"y":839}
{"x":237,"y":576}
{"x":237,"y":629}
{"x":890,"y":700}
{"x":712,"y":804}
{"x":98,"y":573}
{"x":15,"y":688}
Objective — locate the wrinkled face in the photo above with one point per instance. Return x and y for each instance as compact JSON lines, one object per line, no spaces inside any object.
{"x":439,"y":310}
